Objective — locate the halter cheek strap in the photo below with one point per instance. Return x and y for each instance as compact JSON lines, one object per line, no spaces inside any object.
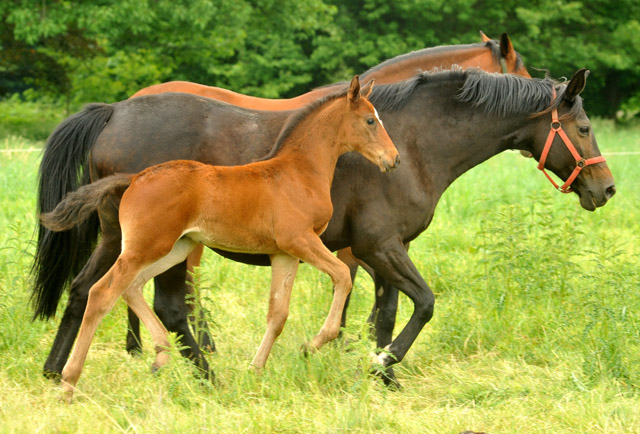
{"x":556,"y":128}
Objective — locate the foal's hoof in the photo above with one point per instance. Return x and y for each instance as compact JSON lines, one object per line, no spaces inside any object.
{"x":308,"y":349}
{"x":67,"y":393}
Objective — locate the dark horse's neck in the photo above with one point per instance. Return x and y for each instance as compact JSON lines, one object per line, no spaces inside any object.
{"x":460,"y":119}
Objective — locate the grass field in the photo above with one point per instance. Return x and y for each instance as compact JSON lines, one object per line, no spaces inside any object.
{"x":536,"y":327}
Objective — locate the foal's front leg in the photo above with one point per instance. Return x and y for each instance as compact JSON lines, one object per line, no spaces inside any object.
{"x":283,"y":272}
{"x":310,"y":249}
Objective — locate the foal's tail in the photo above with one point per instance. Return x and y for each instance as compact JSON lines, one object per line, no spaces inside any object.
{"x":81,"y":204}
{"x":60,"y":255}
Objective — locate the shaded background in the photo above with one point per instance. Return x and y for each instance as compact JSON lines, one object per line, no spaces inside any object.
{"x":74,"y":52}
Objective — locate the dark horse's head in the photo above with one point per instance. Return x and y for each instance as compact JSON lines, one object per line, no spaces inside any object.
{"x":567,"y":146}
{"x":558,"y":133}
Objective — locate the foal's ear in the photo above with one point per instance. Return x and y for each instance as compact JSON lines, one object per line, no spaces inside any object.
{"x":506,"y":48}
{"x":484,"y":37}
{"x":354,"y":90}
{"x":365,"y":91}
{"x":576,"y":84}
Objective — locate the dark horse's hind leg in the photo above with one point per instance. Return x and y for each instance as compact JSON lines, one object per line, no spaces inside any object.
{"x":170,"y":292}
{"x":171,"y":309}
{"x":99,"y":263}
{"x":170,"y":306}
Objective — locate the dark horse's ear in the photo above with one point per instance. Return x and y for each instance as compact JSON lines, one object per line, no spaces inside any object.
{"x":365,"y":90}
{"x":506,"y":49}
{"x":576,"y":84}
{"x":354,"y":90}
{"x":484,"y":37}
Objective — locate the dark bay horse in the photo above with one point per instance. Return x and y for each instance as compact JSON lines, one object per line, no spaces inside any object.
{"x":489,"y":55}
{"x":443,"y":124}
{"x":277,"y":206}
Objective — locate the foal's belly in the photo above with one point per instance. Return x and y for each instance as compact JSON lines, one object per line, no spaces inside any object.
{"x":234,"y":240}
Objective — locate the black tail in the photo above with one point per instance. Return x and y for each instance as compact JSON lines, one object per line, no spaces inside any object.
{"x":61,"y":255}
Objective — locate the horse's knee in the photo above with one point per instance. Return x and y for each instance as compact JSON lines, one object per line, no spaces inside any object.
{"x":424,"y":307}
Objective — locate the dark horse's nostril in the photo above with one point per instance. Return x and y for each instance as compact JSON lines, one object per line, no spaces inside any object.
{"x":610,"y":191}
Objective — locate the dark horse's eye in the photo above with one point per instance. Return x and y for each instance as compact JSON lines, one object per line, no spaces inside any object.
{"x":584,"y":131}
{"x":371,"y":121}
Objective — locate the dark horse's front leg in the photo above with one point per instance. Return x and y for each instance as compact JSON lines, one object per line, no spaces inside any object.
{"x":391,"y":263}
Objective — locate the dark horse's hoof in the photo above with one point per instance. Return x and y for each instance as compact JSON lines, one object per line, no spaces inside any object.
{"x":52,"y":375}
{"x":387,"y":376}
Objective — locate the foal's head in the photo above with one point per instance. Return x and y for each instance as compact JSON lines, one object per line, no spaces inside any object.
{"x":361,"y":128}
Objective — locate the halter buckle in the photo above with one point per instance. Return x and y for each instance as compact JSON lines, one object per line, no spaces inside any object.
{"x":581,"y":163}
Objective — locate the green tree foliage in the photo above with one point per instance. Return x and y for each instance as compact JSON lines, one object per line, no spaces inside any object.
{"x":108,"y":49}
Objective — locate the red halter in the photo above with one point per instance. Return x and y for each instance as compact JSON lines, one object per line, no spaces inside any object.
{"x":556,"y":128}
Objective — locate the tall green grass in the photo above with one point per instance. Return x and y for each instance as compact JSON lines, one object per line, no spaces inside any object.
{"x":536,"y":327}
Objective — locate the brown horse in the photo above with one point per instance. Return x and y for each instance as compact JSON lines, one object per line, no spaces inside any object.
{"x":488,"y":55}
{"x":278,"y":206}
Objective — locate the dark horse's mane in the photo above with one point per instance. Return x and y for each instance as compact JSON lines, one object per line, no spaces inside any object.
{"x":496,"y":94}
{"x":297,"y":117}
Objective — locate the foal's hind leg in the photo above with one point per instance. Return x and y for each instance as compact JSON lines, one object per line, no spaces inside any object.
{"x":103,"y":257}
{"x":283,"y":272}
{"x":127,"y":271}
{"x":136,"y":302}
{"x":310,"y":249}
{"x":102,"y":297}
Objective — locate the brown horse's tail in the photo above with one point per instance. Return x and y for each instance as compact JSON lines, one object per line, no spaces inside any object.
{"x":78,"y":206}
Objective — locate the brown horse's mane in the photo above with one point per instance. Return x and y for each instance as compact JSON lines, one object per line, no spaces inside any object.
{"x":297,"y":116}
{"x":496,"y":94}
{"x":493,"y":45}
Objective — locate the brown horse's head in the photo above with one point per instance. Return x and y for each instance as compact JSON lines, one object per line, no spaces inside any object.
{"x":582,"y":167}
{"x":365,"y":133}
{"x":509,"y":59}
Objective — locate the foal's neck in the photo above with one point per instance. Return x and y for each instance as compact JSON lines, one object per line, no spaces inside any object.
{"x":316,"y":142}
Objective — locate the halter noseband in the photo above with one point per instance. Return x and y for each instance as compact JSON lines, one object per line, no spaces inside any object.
{"x":556,"y":128}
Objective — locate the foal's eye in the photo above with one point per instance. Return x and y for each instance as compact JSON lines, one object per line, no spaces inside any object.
{"x":584,"y":131}
{"x":371,"y":121}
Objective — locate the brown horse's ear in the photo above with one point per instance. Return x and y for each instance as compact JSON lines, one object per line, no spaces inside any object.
{"x":506,"y":49}
{"x":354,"y":89}
{"x":365,"y":91}
{"x":484,"y":37}
{"x":576,"y":84}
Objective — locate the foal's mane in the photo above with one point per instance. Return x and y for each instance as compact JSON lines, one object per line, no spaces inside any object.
{"x":496,"y":94}
{"x":298,"y":116}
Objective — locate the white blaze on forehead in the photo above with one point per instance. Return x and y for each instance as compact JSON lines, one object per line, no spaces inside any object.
{"x":377,"y":116}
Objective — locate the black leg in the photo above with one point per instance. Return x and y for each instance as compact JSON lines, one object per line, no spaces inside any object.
{"x":99,"y":263}
{"x":171,"y":308}
{"x":391,"y":262}
{"x":134,"y":343}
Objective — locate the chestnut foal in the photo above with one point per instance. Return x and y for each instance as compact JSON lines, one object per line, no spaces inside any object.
{"x":277,"y":206}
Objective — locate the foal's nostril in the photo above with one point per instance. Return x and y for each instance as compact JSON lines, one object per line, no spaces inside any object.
{"x":610,"y":191}
{"x":397,"y":160}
